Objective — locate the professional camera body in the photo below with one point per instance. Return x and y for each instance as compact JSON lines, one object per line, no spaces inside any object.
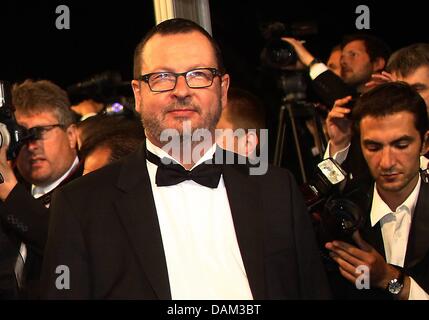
{"x":11,"y":133}
{"x":278,"y":53}
{"x":336,"y":212}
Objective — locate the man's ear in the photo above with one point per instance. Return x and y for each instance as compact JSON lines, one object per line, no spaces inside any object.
{"x":251,"y":142}
{"x":72,"y":136}
{"x":224,"y":86}
{"x":379,"y":64}
{"x":136,"y":85}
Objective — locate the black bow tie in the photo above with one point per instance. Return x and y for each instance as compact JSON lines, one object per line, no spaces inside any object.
{"x":173,"y":173}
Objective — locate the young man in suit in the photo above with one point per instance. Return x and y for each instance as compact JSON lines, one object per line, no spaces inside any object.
{"x":187,"y":230}
{"x":393,"y":243}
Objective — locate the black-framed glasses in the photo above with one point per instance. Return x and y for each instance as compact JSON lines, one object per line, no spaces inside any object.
{"x":166,"y":81}
{"x":39,"y":132}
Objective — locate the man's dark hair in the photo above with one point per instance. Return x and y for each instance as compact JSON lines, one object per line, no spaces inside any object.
{"x":170,"y":27}
{"x":119,"y":134}
{"x":375,"y":47}
{"x":409,"y":59}
{"x":244,"y":110}
{"x":390,"y":98}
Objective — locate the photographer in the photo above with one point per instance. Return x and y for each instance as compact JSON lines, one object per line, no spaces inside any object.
{"x":46,"y":161}
{"x":361,"y":56}
{"x":393,"y":242}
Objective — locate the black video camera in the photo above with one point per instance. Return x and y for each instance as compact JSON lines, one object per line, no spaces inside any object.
{"x":280,"y":54}
{"x":337,"y":213}
{"x":11,"y":133}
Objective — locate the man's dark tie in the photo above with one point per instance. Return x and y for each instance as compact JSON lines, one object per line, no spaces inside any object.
{"x":173,"y":173}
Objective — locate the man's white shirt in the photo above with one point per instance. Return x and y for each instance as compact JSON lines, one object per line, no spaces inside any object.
{"x":395,"y":229}
{"x":201,"y":249}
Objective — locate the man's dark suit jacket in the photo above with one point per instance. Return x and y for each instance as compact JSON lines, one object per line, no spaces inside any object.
{"x":330,"y":87}
{"x":24,"y":219}
{"x":104,"y":228}
{"x":416,"y":262}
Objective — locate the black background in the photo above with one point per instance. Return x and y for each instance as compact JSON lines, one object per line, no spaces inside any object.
{"x":103,"y":34}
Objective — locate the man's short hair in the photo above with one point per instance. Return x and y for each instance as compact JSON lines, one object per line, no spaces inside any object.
{"x":244,"y":110}
{"x":375,"y":47}
{"x":33,"y":97}
{"x":121,"y":135}
{"x":390,"y":98}
{"x":170,"y":27}
{"x":409,"y":59}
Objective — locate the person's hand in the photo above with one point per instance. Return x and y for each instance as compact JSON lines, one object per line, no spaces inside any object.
{"x":349,"y":258}
{"x":380,"y":78}
{"x":303,"y":55}
{"x":9,"y":179}
{"x":339,"y":126}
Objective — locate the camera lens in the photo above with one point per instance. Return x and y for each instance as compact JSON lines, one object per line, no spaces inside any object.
{"x":281,"y":53}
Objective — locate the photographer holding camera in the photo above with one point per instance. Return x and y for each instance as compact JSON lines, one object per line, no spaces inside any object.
{"x":46,"y":160}
{"x":393,"y":242}
{"x":361,"y":56}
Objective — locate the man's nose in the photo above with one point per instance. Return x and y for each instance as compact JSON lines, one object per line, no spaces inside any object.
{"x":33,"y":144}
{"x":387,"y":159}
{"x":343,"y":61}
{"x":182,"y":88}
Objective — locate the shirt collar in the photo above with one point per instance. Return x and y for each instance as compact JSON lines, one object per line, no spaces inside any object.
{"x":38,"y":191}
{"x":424,"y":162}
{"x":379,"y":208}
{"x":161,"y":153}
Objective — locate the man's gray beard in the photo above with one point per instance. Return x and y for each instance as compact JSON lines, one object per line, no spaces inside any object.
{"x":154,"y":128}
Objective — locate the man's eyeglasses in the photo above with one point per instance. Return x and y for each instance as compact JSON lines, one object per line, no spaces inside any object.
{"x":39,"y":132}
{"x":166,"y":81}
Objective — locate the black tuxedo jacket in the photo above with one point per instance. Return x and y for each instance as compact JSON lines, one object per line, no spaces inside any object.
{"x":24,"y":219}
{"x":104,"y":228}
{"x":416,"y":262}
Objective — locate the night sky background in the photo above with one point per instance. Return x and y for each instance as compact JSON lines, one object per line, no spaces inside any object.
{"x":103,"y":36}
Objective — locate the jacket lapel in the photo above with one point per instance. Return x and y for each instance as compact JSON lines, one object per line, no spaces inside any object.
{"x":248,"y":223}
{"x":418,"y":240}
{"x":137,"y":211}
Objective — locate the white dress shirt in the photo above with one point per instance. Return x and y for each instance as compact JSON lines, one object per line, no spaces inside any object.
{"x":395,"y":228}
{"x":200,"y":245}
{"x":317,"y":69}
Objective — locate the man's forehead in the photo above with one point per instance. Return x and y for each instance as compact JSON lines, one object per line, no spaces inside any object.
{"x":355,"y":45}
{"x":171,"y":49}
{"x":418,"y":76}
{"x":390,"y":126}
{"x":40,"y":115}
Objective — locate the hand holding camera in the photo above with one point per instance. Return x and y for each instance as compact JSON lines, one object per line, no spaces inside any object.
{"x":11,"y":139}
{"x":303,"y":54}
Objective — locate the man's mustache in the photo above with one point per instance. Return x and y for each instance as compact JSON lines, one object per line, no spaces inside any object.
{"x":182,"y":105}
